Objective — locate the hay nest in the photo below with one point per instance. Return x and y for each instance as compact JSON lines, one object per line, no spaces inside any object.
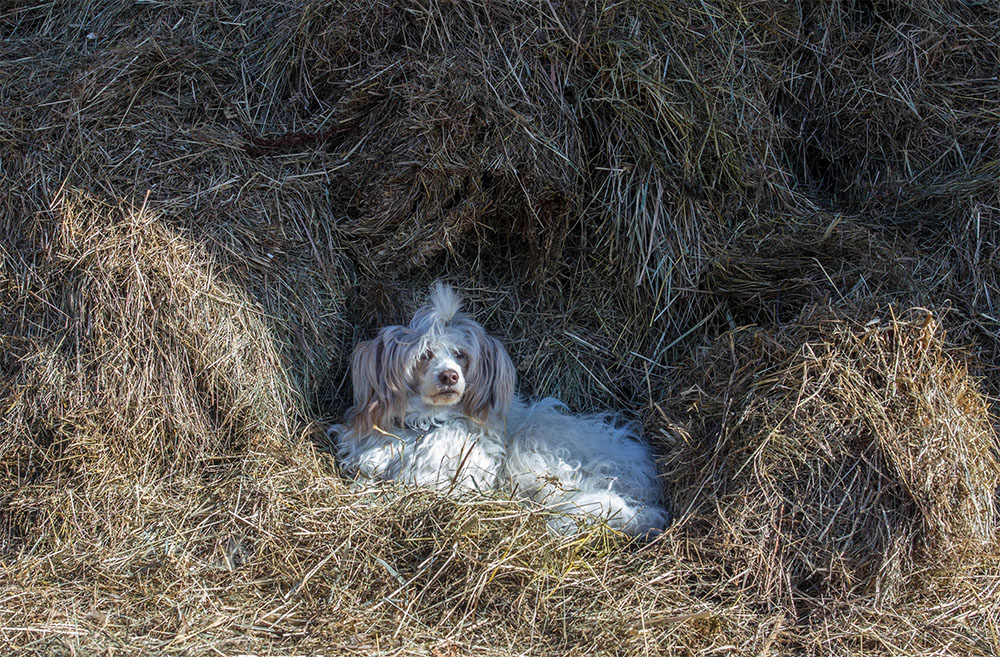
{"x":204,"y":206}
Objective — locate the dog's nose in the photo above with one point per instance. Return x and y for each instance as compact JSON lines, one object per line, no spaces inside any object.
{"x":448,"y":377}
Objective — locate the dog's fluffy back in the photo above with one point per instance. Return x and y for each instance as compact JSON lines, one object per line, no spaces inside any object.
{"x":583,"y":465}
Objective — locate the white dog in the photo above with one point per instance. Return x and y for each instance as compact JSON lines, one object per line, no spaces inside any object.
{"x":434,"y":405}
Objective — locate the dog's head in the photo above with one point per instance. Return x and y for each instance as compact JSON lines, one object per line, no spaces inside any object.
{"x":442,"y":361}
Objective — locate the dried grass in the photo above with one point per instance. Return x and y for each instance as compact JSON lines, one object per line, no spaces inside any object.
{"x":835,"y":458}
{"x":703,"y":213}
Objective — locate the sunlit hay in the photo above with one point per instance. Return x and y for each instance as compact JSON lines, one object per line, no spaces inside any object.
{"x":205,"y":206}
{"x":834,"y":458}
{"x":152,"y":367}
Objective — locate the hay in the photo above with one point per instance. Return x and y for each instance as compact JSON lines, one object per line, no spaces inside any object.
{"x":155,"y":370}
{"x":836,"y":458}
{"x":687,"y":210}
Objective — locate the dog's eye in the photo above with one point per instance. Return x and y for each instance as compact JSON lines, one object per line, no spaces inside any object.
{"x":461,"y":355}
{"x":427,"y":355}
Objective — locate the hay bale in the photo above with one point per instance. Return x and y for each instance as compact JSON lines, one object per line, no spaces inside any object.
{"x":613,"y":186}
{"x":890,"y":117}
{"x":266,"y":563}
{"x":836,"y":459}
{"x":893,"y":106}
{"x":137,"y":361}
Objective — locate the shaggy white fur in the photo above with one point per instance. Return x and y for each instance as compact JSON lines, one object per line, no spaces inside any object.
{"x":434,"y":405}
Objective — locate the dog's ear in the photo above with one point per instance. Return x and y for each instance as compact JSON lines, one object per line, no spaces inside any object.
{"x":378,"y":374}
{"x":491,"y":381}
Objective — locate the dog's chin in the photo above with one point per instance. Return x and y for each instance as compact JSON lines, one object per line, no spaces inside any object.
{"x":448,"y":397}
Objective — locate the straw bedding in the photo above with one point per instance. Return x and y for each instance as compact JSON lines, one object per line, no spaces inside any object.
{"x":767,"y":231}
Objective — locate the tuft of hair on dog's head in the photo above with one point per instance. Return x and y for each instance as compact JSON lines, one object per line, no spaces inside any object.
{"x":445,"y":301}
{"x":444,"y":307}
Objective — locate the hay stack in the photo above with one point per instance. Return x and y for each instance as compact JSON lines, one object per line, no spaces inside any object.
{"x":137,"y":364}
{"x":835,"y":459}
{"x":204,"y":206}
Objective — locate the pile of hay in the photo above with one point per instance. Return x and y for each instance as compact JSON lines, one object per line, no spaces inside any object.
{"x":834,"y":459}
{"x":713,"y":215}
